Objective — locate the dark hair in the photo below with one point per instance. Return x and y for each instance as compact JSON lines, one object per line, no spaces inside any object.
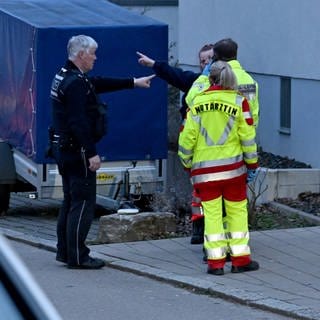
{"x":225,"y":50}
{"x":206,"y":47}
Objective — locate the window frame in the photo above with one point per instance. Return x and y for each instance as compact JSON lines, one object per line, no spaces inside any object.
{"x":285,"y":105}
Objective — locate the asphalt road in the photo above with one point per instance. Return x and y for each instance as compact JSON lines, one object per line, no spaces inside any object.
{"x":116,"y":295}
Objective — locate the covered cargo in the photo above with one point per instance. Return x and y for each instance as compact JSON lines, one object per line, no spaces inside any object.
{"x":34,"y":36}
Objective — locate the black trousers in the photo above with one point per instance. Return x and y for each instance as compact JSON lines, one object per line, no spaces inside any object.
{"x":78,"y":206}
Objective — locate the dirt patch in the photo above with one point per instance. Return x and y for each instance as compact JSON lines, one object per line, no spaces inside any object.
{"x":268,"y":218}
{"x":272,"y":161}
{"x":307,"y":201}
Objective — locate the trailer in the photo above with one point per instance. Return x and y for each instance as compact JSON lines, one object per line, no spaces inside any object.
{"x":34,"y":37}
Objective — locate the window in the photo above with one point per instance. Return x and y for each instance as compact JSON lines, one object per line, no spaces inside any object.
{"x":285,"y":105}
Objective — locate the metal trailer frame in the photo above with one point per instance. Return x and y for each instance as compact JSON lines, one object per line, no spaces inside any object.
{"x":117,"y":181}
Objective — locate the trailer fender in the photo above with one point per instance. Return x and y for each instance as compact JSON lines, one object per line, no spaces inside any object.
{"x":7,"y":176}
{"x":7,"y":167}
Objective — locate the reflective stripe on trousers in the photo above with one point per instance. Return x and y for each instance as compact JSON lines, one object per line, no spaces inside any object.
{"x":196,"y":209}
{"x":218,"y":240}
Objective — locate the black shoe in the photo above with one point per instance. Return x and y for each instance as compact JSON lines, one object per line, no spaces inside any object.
{"x":216,"y":271}
{"x":252,"y":266}
{"x":91,"y":263}
{"x":196,"y":239}
{"x":197,"y":231}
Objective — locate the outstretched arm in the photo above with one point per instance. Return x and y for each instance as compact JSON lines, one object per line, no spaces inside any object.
{"x":177,"y":77}
{"x":106,"y":84}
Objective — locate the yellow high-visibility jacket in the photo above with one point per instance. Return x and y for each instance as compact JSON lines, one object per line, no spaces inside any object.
{"x":218,"y":138}
{"x":246,"y":85}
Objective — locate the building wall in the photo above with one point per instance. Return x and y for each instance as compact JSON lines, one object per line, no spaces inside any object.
{"x":301,"y":143}
{"x":273,"y":35}
{"x":162,"y":10}
{"x":276,"y":38}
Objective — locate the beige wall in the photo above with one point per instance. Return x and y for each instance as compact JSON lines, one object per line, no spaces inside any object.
{"x":279,"y":37}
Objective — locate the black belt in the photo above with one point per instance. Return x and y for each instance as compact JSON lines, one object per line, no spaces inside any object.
{"x":64,"y":141}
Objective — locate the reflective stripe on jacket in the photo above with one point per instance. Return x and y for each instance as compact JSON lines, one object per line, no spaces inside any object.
{"x":218,"y":138}
{"x":246,"y":85}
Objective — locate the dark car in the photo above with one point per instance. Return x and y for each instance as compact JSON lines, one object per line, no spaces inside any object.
{"x":20,"y":295}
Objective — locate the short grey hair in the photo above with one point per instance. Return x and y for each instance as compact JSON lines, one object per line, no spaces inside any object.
{"x":80,"y":43}
{"x":222,"y":74}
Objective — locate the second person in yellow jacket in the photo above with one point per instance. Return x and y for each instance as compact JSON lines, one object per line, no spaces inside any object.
{"x":226,"y":50}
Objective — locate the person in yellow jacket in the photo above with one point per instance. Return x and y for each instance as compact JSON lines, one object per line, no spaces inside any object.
{"x":226,"y":50}
{"x":217,"y":143}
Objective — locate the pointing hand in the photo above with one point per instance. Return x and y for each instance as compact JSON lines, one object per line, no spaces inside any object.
{"x":143,"y":82}
{"x":145,"y":60}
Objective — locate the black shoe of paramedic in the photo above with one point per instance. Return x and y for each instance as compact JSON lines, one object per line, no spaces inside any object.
{"x":251,"y":266}
{"x":216,"y":271}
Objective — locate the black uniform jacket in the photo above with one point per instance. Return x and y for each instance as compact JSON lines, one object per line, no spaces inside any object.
{"x":72,"y":112}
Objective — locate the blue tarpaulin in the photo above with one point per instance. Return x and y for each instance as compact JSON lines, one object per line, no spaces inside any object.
{"x":34,"y":36}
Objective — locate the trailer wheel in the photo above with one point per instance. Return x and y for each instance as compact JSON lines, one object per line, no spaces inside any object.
{"x":4,"y":198}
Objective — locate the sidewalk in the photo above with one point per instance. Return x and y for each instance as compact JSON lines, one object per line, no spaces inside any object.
{"x":287,"y":283}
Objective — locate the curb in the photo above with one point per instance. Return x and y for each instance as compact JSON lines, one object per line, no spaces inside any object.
{"x":252,"y":299}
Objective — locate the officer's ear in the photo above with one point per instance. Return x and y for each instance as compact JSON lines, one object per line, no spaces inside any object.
{"x":81,"y":54}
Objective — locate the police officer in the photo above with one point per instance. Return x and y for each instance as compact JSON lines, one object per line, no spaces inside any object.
{"x":217,"y":143}
{"x":77,"y":125}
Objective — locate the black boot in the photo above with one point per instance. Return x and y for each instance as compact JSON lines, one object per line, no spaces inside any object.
{"x":251,"y":266}
{"x":197,"y":231}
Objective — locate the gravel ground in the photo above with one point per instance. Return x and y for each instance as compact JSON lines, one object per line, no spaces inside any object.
{"x":272,"y":161}
{"x":267,"y":218}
